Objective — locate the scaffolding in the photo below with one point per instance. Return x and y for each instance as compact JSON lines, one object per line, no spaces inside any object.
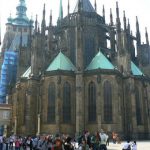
{"x":8,"y":74}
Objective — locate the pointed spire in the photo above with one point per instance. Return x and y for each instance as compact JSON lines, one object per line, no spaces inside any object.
{"x":137,"y":25}
{"x":36,"y":24}
{"x":118,"y":23}
{"x":38,"y":28}
{"x":68,"y":7}
{"x":95,"y":6}
{"x":117,"y":10}
{"x":104,"y":12}
{"x":43,"y":26}
{"x":111,"y":18}
{"x":80,"y":5}
{"x":138,"y":35}
{"x":128,"y":25}
{"x":50,"y":22}
{"x":146,"y":36}
{"x":124,"y":20}
{"x":60,"y":11}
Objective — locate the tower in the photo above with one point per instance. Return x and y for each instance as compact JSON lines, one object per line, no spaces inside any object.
{"x":79,"y":73}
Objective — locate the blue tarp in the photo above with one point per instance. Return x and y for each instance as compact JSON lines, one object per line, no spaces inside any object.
{"x":8,"y":73}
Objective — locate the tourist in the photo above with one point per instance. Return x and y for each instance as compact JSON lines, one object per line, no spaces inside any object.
{"x":134,"y":146}
{"x":126,"y":146}
{"x":103,"y":140}
{"x":1,"y":142}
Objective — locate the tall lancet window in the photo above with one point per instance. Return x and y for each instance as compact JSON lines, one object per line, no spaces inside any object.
{"x":138,"y":107}
{"x":51,"y":103}
{"x":66,"y":103}
{"x":107,"y":102}
{"x":92,"y":102}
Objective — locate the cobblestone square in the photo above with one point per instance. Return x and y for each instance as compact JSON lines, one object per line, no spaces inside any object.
{"x":141,"y":145}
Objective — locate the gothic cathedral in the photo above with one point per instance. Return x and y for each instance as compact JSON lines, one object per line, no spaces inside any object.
{"x":81,"y":74}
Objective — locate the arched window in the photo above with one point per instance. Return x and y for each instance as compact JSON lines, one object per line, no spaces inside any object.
{"x":66,"y":102}
{"x":51,"y":103}
{"x":92,"y":102}
{"x":138,"y":107}
{"x":107,"y":102}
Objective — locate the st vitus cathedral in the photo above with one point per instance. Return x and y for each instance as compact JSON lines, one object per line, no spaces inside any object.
{"x":81,"y":74}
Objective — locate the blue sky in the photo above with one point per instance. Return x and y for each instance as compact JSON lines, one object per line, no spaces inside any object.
{"x":133,"y":8}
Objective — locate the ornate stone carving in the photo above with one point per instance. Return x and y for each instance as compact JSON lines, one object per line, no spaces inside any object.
{"x":59,"y":80}
{"x":98,"y":78}
{"x":79,"y":89}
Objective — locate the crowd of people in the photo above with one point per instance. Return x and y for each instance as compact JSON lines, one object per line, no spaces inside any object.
{"x":84,"y":141}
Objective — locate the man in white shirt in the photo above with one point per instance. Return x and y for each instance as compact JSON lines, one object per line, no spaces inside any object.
{"x":126,"y":146}
{"x":103,"y":140}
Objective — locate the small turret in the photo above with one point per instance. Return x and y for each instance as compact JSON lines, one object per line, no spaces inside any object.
{"x":118,"y":23}
{"x":21,"y":9}
{"x":146,"y":36}
{"x":43,"y":25}
{"x":138,"y":35}
{"x":50,"y":22}
{"x":80,"y":6}
{"x":111,"y":18}
{"x":118,"y":31}
{"x":60,"y":11}
{"x":128,"y":26}
{"x":36,"y":24}
{"x":9,"y":19}
{"x":95,"y":4}
{"x":124,"y":20}
{"x":68,"y":7}
{"x":138,"y":43}
{"x":38,"y":28}
{"x":104,"y":12}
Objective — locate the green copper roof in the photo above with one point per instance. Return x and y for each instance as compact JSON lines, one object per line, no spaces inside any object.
{"x":21,"y":18}
{"x":61,"y":62}
{"x":100,"y":62}
{"x":27,"y":73}
{"x":135,"y":70}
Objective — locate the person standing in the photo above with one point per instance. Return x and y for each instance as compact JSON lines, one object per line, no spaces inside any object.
{"x":103,"y":141}
{"x":127,"y":146}
{"x":17,"y":144}
{"x":134,"y":146}
{"x":1,"y":142}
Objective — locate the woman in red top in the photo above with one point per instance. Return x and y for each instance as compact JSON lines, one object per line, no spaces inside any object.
{"x":17,"y":144}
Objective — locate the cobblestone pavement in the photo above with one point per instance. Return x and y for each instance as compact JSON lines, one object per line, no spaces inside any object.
{"x":141,"y":145}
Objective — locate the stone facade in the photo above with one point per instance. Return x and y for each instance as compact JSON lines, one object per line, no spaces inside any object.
{"x":120,"y":97}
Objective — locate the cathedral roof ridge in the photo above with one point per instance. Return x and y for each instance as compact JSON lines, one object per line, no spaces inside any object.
{"x":136,"y":70}
{"x":27,"y":73}
{"x":100,"y":62}
{"x":61,"y":62}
